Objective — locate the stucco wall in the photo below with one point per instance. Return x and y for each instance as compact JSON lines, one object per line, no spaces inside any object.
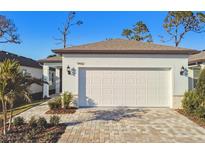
{"x":175,"y":62}
{"x":177,"y":101}
{"x":37,"y":73}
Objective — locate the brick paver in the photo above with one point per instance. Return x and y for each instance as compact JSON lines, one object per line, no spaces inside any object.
{"x":125,"y":125}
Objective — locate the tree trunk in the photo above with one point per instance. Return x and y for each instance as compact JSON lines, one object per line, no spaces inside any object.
{"x":4,"y":117}
{"x":10,"y":118}
{"x":62,"y":101}
{"x":177,"y":44}
{"x":64,"y":40}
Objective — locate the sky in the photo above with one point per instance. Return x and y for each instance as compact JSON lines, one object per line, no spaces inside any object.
{"x":38,"y":30}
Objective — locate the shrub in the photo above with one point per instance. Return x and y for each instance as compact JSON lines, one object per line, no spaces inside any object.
{"x":55,"y":103}
{"x":33,"y":122}
{"x":42,"y":123}
{"x":200,"y":86}
{"x":49,"y":137}
{"x":191,"y":101}
{"x":1,"y":122}
{"x":30,"y":136}
{"x":54,"y":120}
{"x":200,"y":112}
{"x":67,"y":99}
{"x":18,"y":121}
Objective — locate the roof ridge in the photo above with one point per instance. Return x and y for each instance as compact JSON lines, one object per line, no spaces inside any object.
{"x":7,"y":52}
{"x":155,"y":44}
{"x":131,"y":46}
{"x":24,"y":61}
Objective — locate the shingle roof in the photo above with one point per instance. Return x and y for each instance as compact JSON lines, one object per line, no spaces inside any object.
{"x":54,"y":59}
{"x":23,"y":61}
{"x":122,"y":46}
{"x":200,"y":57}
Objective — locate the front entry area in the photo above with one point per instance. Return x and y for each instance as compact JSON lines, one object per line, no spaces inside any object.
{"x":142,"y":87}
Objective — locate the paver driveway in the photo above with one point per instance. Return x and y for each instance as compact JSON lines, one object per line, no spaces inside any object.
{"x":125,"y":125}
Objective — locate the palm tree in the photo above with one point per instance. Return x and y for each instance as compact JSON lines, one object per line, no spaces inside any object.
{"x":13,"y":84}
{"x":127,"y":33}
{"x":139,"y":32}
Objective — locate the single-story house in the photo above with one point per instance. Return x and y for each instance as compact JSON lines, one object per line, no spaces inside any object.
{"x":121,"y":72}
{"x":31,"y":67}
{"x":196,"y":64}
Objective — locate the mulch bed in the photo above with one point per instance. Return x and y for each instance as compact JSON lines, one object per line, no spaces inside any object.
{"x":70,"y":110}
{"x":197,"y":120}
{"x":26,"y":134}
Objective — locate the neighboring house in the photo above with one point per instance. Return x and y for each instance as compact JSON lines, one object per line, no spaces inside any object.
{"x":196,"y":64}
{"x":121,"y":72}
{"x":29,"y":66}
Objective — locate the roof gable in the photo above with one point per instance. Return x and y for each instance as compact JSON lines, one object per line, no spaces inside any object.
{"x":199,"y":57}
{"x":54,"y":59}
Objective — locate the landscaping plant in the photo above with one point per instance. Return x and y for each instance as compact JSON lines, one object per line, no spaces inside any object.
{"x":61,"y":102}
{"x":13,"y":84}
{"x":54,"y":120}
{"x":41,"y":123}
{"x":67,"y":99}
{"x":200,"y":86}
{"x":191,"y":101}
{"x":55,"y":103}
{"x":200,"y":112}
{"x":18,"y":121}
{"x":24,"y":132}
{"x":1,"y":122}
{"x":32,"y":122}
{"x":194,"y":100}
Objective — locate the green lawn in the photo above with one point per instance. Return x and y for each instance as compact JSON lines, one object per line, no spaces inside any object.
{"x":25,"y":107}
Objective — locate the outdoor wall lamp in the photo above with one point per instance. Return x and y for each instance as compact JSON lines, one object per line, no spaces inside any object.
{"x":68,"y":70}
{"x":183,"y":71}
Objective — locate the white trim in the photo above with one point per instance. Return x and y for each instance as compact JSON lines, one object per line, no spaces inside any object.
{"x":57,"y":80}
{"x":171,"y":88}
{"x":46,"y":78}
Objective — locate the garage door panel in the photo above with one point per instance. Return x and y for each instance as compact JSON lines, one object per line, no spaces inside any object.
{"x":126,"y":87}
{"x":107,"y":81}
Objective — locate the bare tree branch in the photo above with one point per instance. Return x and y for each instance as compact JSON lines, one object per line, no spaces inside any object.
{"x":178,"y":23}
{"x":8,"y":31}
{"x":66,"y":29}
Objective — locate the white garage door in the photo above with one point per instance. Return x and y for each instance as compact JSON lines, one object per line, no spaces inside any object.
{"x":125,"y":87}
